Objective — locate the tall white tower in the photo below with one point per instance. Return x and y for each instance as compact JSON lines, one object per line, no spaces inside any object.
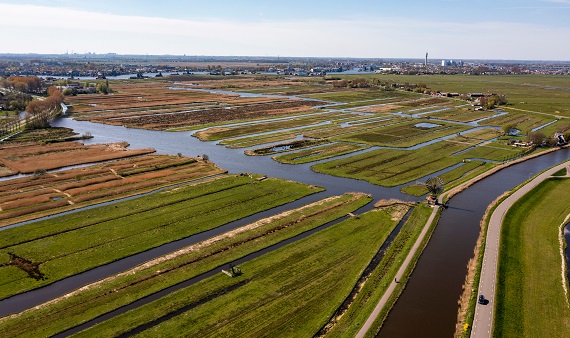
{"x":425,"y":63}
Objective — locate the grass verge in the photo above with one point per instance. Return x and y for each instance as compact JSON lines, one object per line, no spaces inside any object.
{"x":530,"y":293}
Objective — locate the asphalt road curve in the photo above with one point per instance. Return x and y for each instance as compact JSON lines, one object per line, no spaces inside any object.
{"x":483,"y":320}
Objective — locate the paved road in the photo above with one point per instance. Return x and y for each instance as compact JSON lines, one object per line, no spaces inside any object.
{"x":398,"y":276}
{"x":483,"y":321}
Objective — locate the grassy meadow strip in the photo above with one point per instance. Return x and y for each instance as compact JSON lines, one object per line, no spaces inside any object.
{"x":281,"y":293}
{"x":186,"y":263}
{"x":495,"y":151}
{"x":245,"y":142}
{"x":387,"y":134}
{"x":523,"y":121}
{"x":366,"y":103}
{"x":403,"y":135}
{"x":530,"y":299}
{"x":356,"y":95}
{"x":134,"y":226}
{"x":461,"y":115}
{"x":285,"y":147}
{"x":218,"y":133}
{"x":319,"y":153}
{"x":426,"y":137}
{"x":448,"y":177}
{"x":379,"y":280}
{"x":481,"y":134}
{"x":335,"y":130}
{"x":394,"y":167}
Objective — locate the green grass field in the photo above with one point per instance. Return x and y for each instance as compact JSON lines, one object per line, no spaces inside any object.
{"x":531,"y":300}
{"x":351,"y":322}
{"x":394,"y":167}
{"x":245,"y":142}
{"x":319,"y":153}
{"x":402,"y":135}
{"x":448,"y":177}
{"x":461,"y":115}
{"x":215,"y":134}
{"x":196,"y":259}
{"x":535,"y":93}
{"x":115,"y":231}
{"x":350,"y":96}
{"x":280,"y":294}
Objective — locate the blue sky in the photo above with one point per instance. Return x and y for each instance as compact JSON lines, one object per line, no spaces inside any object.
{"x":450,"y":29}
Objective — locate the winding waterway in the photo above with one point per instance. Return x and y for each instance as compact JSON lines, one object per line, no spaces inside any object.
{"x":430,"y":298}
{"x":428,"y":306}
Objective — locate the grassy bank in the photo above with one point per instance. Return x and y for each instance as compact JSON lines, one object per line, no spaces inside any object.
{"x":531,"y":300}
{"x":375,"y":286}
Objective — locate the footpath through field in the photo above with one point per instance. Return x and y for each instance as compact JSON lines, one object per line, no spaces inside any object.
{"x":399,"y":274}
{"x":483,"y":320}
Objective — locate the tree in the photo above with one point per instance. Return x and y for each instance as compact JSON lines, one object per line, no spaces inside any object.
{"x":39,"y":112}
{"x":509,"y":129}
{"x":535,"y":137}
{"x":205,"y":157}
{"x":102,"y":88}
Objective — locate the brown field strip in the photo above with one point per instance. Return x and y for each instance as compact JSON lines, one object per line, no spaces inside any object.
{"x":29,"y":158}
{"x":156,"y":105}
{"x":35,"y":196}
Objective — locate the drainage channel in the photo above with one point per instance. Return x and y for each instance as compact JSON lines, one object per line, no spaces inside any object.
{"x":162,"y":293}
{"x":365,"y":274}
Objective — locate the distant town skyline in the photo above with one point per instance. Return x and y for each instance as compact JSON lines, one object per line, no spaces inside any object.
{"x":447,"y":29}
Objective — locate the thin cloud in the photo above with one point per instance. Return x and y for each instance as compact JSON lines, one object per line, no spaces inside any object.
{"x":84,"y":31}
{"x":564,"y":2}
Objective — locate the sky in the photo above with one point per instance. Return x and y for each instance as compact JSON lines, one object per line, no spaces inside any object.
{"x":446,"y":29}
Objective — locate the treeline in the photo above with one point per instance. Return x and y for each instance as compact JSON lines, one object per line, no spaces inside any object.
{"x":377,"y":83}
{"x":24,"y":84}
{"x":14,"y":101}
{"x":40,"y":111}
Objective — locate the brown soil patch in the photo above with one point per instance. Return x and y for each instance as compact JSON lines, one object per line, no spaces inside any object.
{"x":380,"y":109}
{"x":391,"y":202}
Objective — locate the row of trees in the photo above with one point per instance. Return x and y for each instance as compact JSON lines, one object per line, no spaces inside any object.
{"x":40,"y":111}
{"x":24,"y":84}
{"x":377,"y":83}
{"x":490,"y":102}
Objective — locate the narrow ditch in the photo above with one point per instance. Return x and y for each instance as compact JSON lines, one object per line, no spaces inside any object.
{"x":364,"y":276}
{"x":164,"y":292}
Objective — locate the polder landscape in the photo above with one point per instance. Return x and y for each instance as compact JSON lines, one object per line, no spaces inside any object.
{"x":268,"y":204}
